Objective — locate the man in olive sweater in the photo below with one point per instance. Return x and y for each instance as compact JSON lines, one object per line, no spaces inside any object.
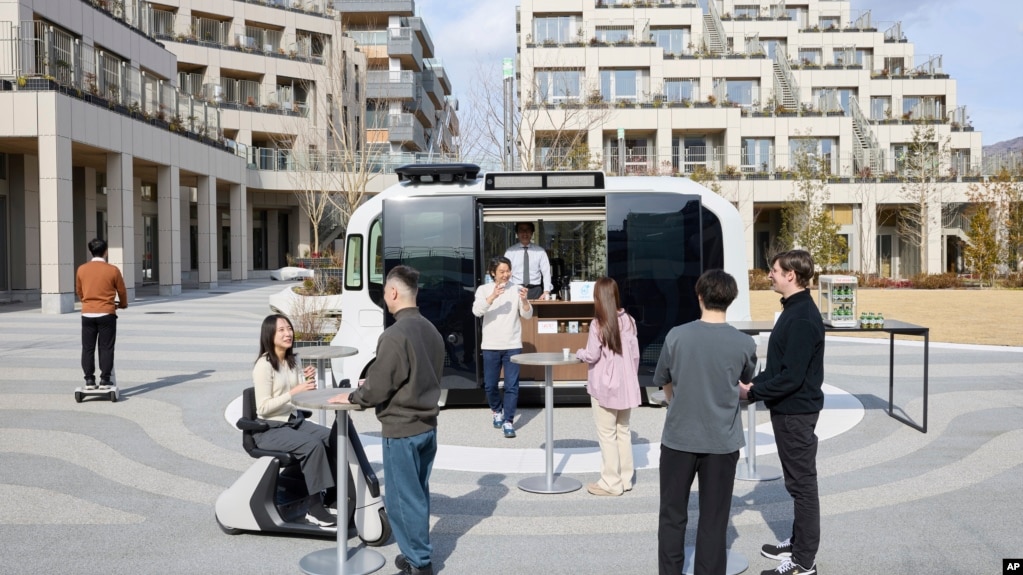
{"x":403,"y":383}
{"x":97,"y":283}
{"x":790,"y":388}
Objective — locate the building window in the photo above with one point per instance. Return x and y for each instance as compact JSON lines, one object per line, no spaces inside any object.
{"x":671,"y":40}
{"x":614,"y":34}
{"x":833,"y":99}
{"x":681,"y":89}
{"x":830,"y":22}
{"x":623,"y":85}
{"x":895,"y":66}
{"x":747,"y":12}
{"x":960,"y":162}
{"x":558,"y":85}
{"x":742,"y":92}
{"x":923,"y":108}
{"x":757,"y":156}
{"x":557,"y":29}
{"x":773,"y":45}
{"x":880,"y":107}
{"x":810,"y":56}
{"x":819,"y":153}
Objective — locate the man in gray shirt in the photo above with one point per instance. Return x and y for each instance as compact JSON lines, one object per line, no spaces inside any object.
{"x":700,"y":367}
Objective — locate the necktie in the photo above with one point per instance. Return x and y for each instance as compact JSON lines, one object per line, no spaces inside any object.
{"x":525,"y":265}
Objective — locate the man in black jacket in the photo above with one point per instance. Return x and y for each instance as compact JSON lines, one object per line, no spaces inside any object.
{"x":404,"y":385}
{"x":790,"y":387}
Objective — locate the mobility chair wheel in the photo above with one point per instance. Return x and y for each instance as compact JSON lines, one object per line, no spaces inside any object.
{"x":385,"y":531}
{"x":78,"y":397}
{"x":113,"y":396}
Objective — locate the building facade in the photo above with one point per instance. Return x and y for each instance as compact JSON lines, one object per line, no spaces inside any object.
{"x":734,"y":92}
{"x":184,"y":132}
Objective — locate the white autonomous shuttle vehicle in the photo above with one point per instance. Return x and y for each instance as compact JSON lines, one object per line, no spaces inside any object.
{"x":653,"y":235}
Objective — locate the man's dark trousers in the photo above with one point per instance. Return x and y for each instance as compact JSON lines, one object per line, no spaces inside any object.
{"x":717,"y":478}
{"x":797,"y":449}
{"x":104,"y":330}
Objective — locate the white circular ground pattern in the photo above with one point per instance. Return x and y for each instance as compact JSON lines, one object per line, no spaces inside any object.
{"x":842,"y":411}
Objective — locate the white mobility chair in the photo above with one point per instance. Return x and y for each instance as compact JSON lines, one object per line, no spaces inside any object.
{"x":271,"y":495}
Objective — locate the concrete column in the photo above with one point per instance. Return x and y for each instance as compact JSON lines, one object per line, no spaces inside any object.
{"x":239,"y":232}
{"x":121,"y":217}
{"x":206,"y":208}
{"x":25,"y":236}
{"x":168,"y":194}
{"x":305,"y":233}
{"x":185,"y":234}
{"x":273,"y":246}
{"x":90,"y":206}
{"x":56,"y":225}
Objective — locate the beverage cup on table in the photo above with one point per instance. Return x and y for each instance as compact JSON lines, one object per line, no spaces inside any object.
{"x":566,"y":352}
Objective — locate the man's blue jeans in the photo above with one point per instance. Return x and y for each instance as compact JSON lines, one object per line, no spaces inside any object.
{"x":407,"y":465}
{"x":493,"y":361}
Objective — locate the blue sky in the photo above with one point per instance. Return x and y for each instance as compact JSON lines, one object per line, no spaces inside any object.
{"x":981,"y":42}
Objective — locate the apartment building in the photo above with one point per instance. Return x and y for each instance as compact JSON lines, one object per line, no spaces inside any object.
{"x":184,"y":131}
{"x":739,"y":89}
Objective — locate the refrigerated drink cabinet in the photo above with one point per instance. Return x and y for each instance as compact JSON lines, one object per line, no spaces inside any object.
{"x":836,"y":295}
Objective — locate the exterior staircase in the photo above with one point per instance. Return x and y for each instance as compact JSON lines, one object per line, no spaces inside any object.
{"x":714,"y":39}
{"x":786,"y":91}
{"x":867,"y":155}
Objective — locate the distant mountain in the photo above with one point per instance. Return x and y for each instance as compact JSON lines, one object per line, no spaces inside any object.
{"x":1013,"y":145}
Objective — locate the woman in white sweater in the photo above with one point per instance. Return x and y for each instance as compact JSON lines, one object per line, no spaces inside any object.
{"x":501,"y":304}
{"x":277,"y":378}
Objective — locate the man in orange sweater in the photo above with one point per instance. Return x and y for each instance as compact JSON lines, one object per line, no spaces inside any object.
{"x":97,"y":283}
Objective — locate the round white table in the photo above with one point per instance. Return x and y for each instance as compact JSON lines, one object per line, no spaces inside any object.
{"x":338,"y":561}
{"x":321,"y":353}
{"x":548,"y":483}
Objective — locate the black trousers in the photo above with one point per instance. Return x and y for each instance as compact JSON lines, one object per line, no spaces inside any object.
{"x":717,"y":477}
{"x":534,"y":292}
{"x":797,"y":449}
{"x":103,"y":330}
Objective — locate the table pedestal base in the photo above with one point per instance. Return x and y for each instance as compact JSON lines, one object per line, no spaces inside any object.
{"x":324,"y":562}
{"x":737,"y":562}
{"x":558,"y":485}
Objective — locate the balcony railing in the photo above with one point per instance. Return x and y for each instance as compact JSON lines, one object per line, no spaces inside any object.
{"x":284,"y":160}
{"x":48,"y":58}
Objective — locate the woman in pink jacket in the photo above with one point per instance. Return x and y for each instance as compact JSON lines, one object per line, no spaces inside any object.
{"x":612,"y":352}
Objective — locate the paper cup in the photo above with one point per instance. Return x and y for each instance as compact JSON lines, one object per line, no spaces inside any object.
{"x":566,"y":352}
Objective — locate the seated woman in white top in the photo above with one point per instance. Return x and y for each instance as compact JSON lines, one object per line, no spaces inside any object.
{"x":277,"y":379}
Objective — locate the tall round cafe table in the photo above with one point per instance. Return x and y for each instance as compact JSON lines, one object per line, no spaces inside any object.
{"x":548,"y":483}
{"x":321,"y":353}
{"x":337,"y":561}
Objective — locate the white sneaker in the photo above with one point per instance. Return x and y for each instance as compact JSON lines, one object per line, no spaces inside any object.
{"x":498,"y":419}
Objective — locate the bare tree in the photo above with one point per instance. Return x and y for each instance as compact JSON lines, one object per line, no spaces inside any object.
{"x":806,"y":221}
{"x":920,"y":167}
{"x":482,"y":117}
{"x":332,"y":164}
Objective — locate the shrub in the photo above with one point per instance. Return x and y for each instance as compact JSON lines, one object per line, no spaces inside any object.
{"x":1011,"y":281}
{"x":758,"y":280}
{"x":936,"y":281}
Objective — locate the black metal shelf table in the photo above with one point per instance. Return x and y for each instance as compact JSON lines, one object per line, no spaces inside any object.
{"x":893,"y":328}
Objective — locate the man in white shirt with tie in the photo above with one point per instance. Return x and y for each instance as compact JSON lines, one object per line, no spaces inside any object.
{"x":530,"y":267}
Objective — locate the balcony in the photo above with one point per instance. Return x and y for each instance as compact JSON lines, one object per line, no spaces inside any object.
{"x":404,"y":45}
{"x":403,"y":129}
{"x":393,"y":7}
{"x":392,"y":85}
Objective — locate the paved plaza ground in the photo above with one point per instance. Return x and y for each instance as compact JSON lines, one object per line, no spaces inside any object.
{"x":129,"y":487}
